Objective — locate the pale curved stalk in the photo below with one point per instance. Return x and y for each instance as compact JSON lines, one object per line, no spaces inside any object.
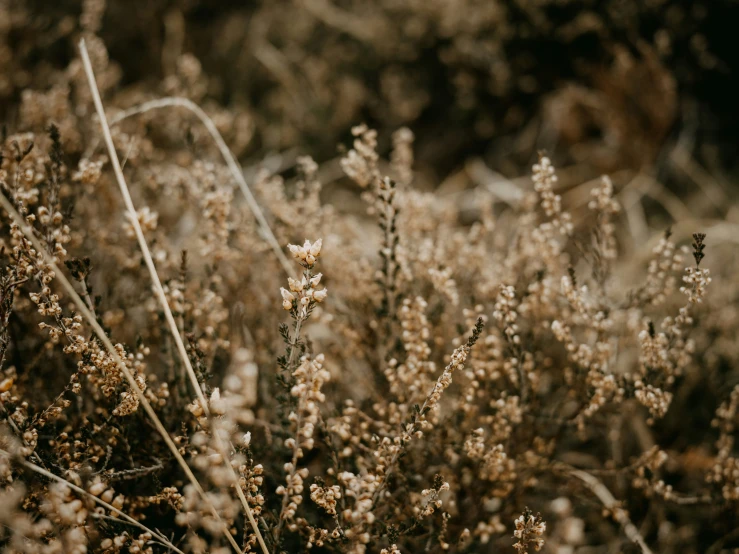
{"x":233,"y":165}
{"x":609,"y":501}
{"x":129,"y":519}
{"x":87,"y":314}
{"x":159,"y":290}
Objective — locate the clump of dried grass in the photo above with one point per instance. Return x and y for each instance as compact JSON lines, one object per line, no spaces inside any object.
{"x":465,"y":364}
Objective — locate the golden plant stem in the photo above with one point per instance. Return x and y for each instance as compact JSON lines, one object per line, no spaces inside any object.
{"x":87,"y":314}
{"x":129,"y":519}
{"x":228,"y":157}
{"x":609,"y":501}
{"x":159,"y":290}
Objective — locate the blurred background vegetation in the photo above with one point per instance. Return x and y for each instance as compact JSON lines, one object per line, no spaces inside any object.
{"x":643,"y":86}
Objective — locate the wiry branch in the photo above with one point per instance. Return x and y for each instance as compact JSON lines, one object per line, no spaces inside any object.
{"x":609,"y":501}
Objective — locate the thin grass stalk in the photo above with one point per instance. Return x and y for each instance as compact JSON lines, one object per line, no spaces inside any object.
{"x":233,"y":165}
{"x":79,"y":490}
{"x":159,"y":290}
{"x":609,"y":501}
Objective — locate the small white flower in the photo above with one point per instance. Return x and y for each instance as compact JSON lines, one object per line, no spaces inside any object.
{"x":287,"y":298}
{"x":308,"y":252}
{"x":217,"y":405}
{"x":295,"y":285}
{"x":315,"y":249}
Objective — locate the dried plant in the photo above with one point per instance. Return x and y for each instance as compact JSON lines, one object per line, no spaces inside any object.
{"x":453,"y":362}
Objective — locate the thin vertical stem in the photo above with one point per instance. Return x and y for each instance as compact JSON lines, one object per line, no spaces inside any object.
{"x":159,"y":290}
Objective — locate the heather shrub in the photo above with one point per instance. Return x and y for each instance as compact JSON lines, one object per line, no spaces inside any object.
{"x":342,"y":356}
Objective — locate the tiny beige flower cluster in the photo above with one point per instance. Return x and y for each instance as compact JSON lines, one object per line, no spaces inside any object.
{"x":147,"y":218}
{"x":302,"y":209}
{"x":649,"y":465}
{"x":431,"y":501}
{"x":586,"y":310}
{"x":607,"y":207}
{"x":443,"y":282}
{"x":487,"y":529}
{"x":103,"y":370}
{"x":88,"y":172}
{"x":357,"y":517}
{"x":529,"y":531}
{"x":63,"y":509}
{"x":310,"y":377}
{"x":360,"y":163}
{"x":251,"y":480}
{"x":459,"y":356}
{"x":696,"y":280}
{"x":656,"y":400}
{"x":592,"y":358}
{"x":31,"y":263}
{"x":308,"y":253}
{"x":302,"y":293}
{"x":544,"y":180}
{"x":194,"y":513}
{"x":293,"y":492}
{"x":319,"y":537}
{"x":216,"y":203}
{"x":402,"y":155}
{"x":661,"y":281}
{"x":505,"y":312}
{"x":495,"y":465}
{"x":57,"y":232}
{"x":412,"y":378}
{"x":725,"y":469}
{"x":485,"y":365}
{"x":303,"y":296}
{"x":325,"y":497}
